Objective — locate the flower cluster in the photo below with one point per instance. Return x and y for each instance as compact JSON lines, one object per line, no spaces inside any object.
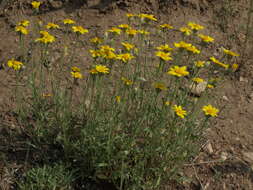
{"x":100,"y":69}
{"x":187,"y":46}
{"x":79,"y":30}
{"x":21,"y":28}
{"x":108,"y":52}
{"x":16,"y":65}
{"x":76,"y":73}
{"x":52,"y":25}
{"x":45,"y":38}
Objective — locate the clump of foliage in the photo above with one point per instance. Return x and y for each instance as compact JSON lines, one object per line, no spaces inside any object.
{"x":133,"y":117}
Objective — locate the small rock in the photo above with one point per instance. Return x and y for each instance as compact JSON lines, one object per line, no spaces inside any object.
{"x":56,"y":57}
{"x":199,"y":88}
{"x":242,"y":79}
{"x":251,"y":97}
{"x":87,"y":103}
{"x":224,"y":156}
{"x":225,"y":98}
{"x":79,"y":14}
{"x":209,"y":148}
{"x":248,"y":156}
{"x":55,"y":4}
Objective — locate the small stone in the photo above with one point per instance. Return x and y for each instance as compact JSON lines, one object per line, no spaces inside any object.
{"x":242,"y":79}
{"x":225,"y":98}
{"x":199,"y":88}
{"x":87,"y":103}
{"x":248,"y":156}
{"x":57,"y":56}
{"x":251,"y":96}
{"x":55,"y":4}
{"x":224,"y":156}
{"x":79,"y":14}
{"x":209,"y":148}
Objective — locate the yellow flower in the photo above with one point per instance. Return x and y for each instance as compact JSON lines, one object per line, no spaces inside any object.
{"x":76,"y":75}
{"x":93,"y":71}
{"x":128,"y":46}
{"x":21,"y":30}
{"x":164,"y":47}
{"x":147,"y":17}
{"x":109,"y":55}
{"x":95,"y":53}
{"x":182,"y":44}
{"x":163,"y":55}
{"x":187,"y":46}
{"x":124,"y":26}
{"x":96,"y":40}
{"x":160,"y":86}
{"x":52,"y":25}
{"x":127,"y":81}
{"x":193,"y":49}
{"x":102,"y":69}
{"x":195,"y":26}
{"x":131,"y":32}
{"x":44,"y":33}
{"x":46,"y":38}
{"x":106,"y":48}
{"x":36,"y":4}
{"x":16,"y":65}
{"x":79,"y":29}
{"x":213,"y":59}
{"x":235,"y":67}
{"x":40,"y":23}
{"x":210,"y":86}
{"x":75,"y":69}
{"x":130,"y":15}
{"x":199,"y":63}
{"x":179,"y":111}
{"x":115,"y":30}
{"x":118,"y":99}
{"x":107,"y":52}
{"x":24,"y":23}
{"x":125,"y":57}
{"x":205,"y":38}
{"x":143,"y":32}
{"x":198,"y":80}
{"x":167,"y":103}
{"x":185,"y":30}
{"x":209,"y":110}
{"x":231,"y":53}
{"x":166,"y":26}
{"x":68,"y":21}
{"x":46,"y":94}
{"x":178,"y":71}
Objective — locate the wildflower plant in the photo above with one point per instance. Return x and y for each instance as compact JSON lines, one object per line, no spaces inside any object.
{"x":128,"y":115}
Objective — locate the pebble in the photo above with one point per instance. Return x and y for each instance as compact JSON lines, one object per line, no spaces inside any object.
{"x":55,"y":4}
{"x":199,"y":88}
{"x":242,"y":79}
{"x":225,"y":98}
{"x":224,"y":156}
{"x":248,"y":156}
{"x":209,"y":148}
